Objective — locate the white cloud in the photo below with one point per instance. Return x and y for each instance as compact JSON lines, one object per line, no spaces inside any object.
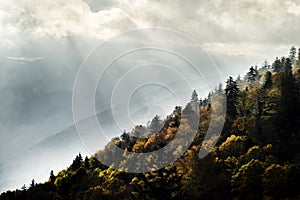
{"x":293,"y":8}
{"x":262,"y":21}
{"x":238,"y":33}
{"x":24,"y":59}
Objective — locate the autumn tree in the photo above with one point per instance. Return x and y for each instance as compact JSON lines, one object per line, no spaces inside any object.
{"x":247,"y":182}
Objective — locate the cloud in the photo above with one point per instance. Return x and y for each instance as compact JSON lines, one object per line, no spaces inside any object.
{"x":208,"y":21}
{"x":59,"y":19}
{"x":236,"y":33}
{"x":52,"y":38}
{"x":24,"y":59}
{"x":293,"y":8}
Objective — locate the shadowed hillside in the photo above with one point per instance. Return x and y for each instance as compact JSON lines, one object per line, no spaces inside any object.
{"x":257,"y":155}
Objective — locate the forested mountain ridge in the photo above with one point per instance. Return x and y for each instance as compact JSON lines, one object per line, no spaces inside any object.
{"x":256,"y":157}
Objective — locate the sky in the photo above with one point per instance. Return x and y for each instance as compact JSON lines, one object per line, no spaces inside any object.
{"x":44,"y":42}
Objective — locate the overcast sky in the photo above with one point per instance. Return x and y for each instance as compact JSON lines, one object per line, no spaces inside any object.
{"x":44,"y":42}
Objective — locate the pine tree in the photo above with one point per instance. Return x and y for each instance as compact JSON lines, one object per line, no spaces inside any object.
{"x":86,"y":163}
{"x":32,"y":184}
{"x":293,"y":52}
{"x":77,"y":162}
{"x":220,"y":89}
{"x":268,"y":80}
{"x":251,"y":75}
{"x":194,"y":100}
{"x":287,"y":65}
{"x":277,"y":67}
{"x":52,"y":177}
{"x":238,"y":78}
{"x":23,"y":188}
{"x":232,"y":94}
{"x":125,"y":137}
{"x":265,"y":65}
{"x":155,"y":125}
{"x":298,"y":59}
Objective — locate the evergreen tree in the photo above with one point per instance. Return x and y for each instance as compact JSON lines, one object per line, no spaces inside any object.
{"x":200,"y":103}
{"x":194,"y":96}
{"x":277,"y":67}
{"x":238,"y":79}
{"x":156,"y":124}
{"x":252,"y":74}
{"x":268,"y":80}
{"x":287,"y":65}
{"x":86,"y":163}
{"x":265,"y":65}
{"x":232,"y":94}
{"x":77,"y":162}
{"x":23,"y":188}
{"x":32,"y":184}
{"x":292,"y":57}
{"x":220,"y":89}
{"x":194,"y":100}
{"x":125,"y":137}
{"x":298,"y":59}
{"x":52,"y":177}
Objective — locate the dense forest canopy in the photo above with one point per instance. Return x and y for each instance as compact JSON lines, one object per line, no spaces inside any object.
{"x":257,"y":155}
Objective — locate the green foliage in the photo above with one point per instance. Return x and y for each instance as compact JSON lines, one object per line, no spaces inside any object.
{"x":234,"y":146}
{"x":268,"y":80}
{"x":77,"y":162}
{"x":232,"y":94}
{"x":257,"y":156}
{"x":247,"y":182}
{"x":252,"y":74}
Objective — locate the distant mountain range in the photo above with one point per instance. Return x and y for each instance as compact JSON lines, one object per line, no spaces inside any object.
{"x":57,"y":151}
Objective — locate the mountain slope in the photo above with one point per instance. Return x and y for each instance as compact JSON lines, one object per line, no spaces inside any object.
{"x":256,"y":157}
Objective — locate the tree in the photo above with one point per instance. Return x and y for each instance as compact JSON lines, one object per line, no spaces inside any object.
{"x":194,"y":100}
{"x":23,"y":188}
{"x":77,"y":162}
{"x":52,"y":177}
{"x":247,"y":182}
{"x":125,"y":137}
{"x":252,"y":74}
{"x":232,"y":94}
{"x":238,"y":78}
{"x":277,"y":66}
{"x":265,"y":65}
{"x":139,"y":131}
{"x":32,"y":184}
{"x":281,"y":182}
{"x":156,"y":125}
{"x":194,"y":96}
{"x":293,"y":52}
{"x":86,"y":163}
{"x":287,"y":65}
{"x":220,"y":89}
{"x":268,"y":80}
{"x":298,"y":59}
